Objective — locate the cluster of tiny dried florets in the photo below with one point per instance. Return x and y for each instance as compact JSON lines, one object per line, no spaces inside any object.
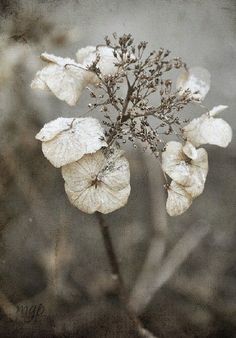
{"x":144,"y":80}
{"x":136,"y":96}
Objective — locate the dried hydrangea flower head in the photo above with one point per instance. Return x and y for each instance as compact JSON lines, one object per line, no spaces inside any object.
{"x":134,"y":91}
{"x":197,"y":80}
{"x":98,"y":182}
{"x":62,"y":76}
{"x":66,"y":140}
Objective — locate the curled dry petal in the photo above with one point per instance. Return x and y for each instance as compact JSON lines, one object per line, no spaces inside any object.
{"x":66,"y":140}
{"x":186,"y":166}
{"x":199,"y":173}
{"x":178,"y":200}
{"x":217,"y":109}
{"x":197,"y":80}
{"x":97,"y":182}
{"x":62,"y":76}
{"x":190,"y":151}
{"x":207,"y":129}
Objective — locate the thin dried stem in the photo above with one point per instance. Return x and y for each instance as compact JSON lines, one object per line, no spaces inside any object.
{"x":122,"y":293}
{"x":116,"y":275}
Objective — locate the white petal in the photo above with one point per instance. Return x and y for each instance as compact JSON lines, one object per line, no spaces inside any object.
{"x":199,"y":170}
{"x":207,"y":129}
{"x":190,"y":150}
{"x":112,"y":187}
{"x":178,"y":200}
{"x":62,"y":76}
{"x":83,"y":53}
{"x":189,"y":172}
{"x":87,"y":200}
{"x":106,"y":63}
{"x":65,"y":85}
{"x":192,"y":131}
{"x":197,"y":79}
{"x":195,"y":189}
{"x":111,"y":200}
{"x":217,"y":109}
{"x":79,"y":175}
{"x":67,"y":140}
{"x":53,"y":128}
{"x":102,"y":199}
{"x":172,"y":155}
{"x":37,"y":83}
{"x":216,"y":131}
{"x":50,"y":58}
{"x":174,"y":164}
{"x":114,"y":169}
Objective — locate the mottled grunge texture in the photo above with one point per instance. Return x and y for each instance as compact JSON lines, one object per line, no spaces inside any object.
{"x":55,"y":279}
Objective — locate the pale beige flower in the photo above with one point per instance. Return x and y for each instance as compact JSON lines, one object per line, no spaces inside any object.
{"x":186,"y":165}
{"x":208,"y":129}
{"x":106,"y":64}
{"x":66,"y":140}
{"x":178,"y":200}
{"x":65,"y":78}
{"x":197,"y":80}
{"x":98,"y":182}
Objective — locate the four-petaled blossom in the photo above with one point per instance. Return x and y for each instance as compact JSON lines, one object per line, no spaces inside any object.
{"x":186,"y":165}
{"x":65,"y":78}
{"x":208,"y":129}
{"x":197,"y":80}
{"x":66,"y":140}
{"x":98,"y":182}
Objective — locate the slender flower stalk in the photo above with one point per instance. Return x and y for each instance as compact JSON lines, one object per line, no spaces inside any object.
{"x":116,"y":275}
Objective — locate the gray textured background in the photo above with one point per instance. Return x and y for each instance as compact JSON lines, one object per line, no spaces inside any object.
{"x":53,"y":254}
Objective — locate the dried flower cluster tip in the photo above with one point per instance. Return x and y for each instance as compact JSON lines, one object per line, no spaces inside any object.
{"x":134,"y":90}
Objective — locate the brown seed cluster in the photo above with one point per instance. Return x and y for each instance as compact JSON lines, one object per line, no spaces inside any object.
{"x":149,"y":109}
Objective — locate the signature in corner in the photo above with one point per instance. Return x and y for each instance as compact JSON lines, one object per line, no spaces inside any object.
{"x":30,"y":313}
